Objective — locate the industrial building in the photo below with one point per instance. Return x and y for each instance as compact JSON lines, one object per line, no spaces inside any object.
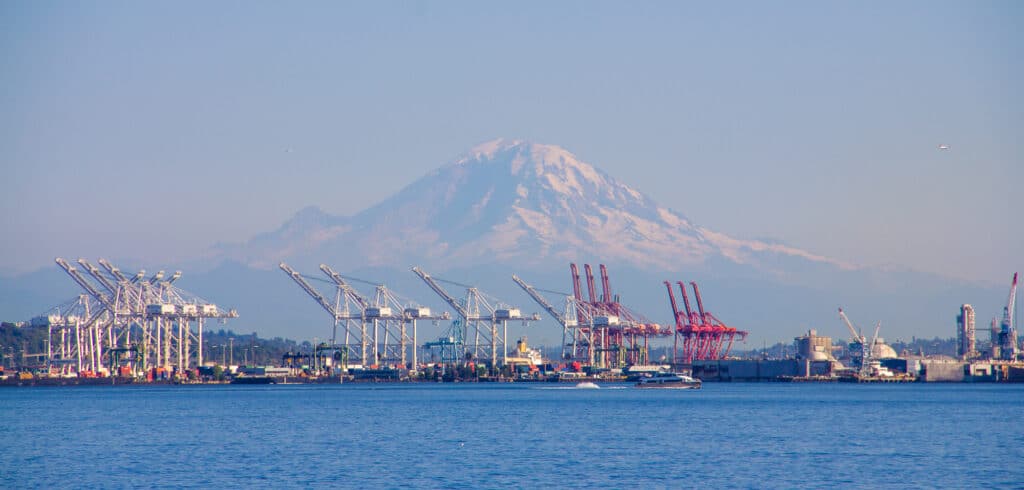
{"x":965,"y":339}
{"x":814,"y":347}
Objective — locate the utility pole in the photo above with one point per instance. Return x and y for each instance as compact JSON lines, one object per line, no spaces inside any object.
{"x":231,"y":351}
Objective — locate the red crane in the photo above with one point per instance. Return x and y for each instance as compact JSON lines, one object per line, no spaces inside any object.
{"x":623,"y":329}
{"x":690,"y":314}
{"x":703,"y":335}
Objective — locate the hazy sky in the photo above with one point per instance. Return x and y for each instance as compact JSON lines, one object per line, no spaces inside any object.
{"x":151,"y":131}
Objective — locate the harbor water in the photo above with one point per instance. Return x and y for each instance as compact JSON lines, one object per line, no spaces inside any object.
{"x":528,"y":435}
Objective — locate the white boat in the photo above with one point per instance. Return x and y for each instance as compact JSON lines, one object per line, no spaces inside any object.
{"x":587,"y":385}
{"x":677,"y":381}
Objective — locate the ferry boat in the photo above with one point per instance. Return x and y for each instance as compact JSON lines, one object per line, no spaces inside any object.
{"x":677,"y":381}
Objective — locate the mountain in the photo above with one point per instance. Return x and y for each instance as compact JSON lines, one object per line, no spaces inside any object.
{"x":519,"y":203}
{"x":516,"y":207}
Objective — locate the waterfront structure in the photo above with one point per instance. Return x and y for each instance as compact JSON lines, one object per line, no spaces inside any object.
{"x":966,"y":346}
{"x":1004,"y":341}
{"x":703,"y":335}
{"x":814,"y":347}
{"x":375,"y":330}
{"x":126,"y":324}
{"x":484,"y":325}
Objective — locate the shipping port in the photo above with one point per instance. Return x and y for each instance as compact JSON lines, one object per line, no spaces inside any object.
{"x":138,"y":328}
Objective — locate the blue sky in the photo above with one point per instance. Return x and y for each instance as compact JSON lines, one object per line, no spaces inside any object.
{"x":151,"y":130}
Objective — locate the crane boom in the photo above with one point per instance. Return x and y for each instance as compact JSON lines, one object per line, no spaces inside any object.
{"x":676,"y":314}
{"x":606,"y":286}
{"x":174,"y":277}
{"x":309,"y":289}
{"x":349,"y":290}
{"x":869,"y":352}
{"x":1011,"y":304}
{"x":454,"y":303}
{"x":576,"y":290}
{"x":700,"y":303}
{"x":686,"y":304}
{"x":853,"y":331}
{"x":159,"y":276}
{"x":590,"y":283}
{"x":95,"y":272}
{"x":85,"y":284}
{"x":114,"y":271}
{"x":541,"y":301}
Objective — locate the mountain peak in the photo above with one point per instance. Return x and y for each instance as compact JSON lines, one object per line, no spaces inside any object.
{"x":487,"y":151}
{"x":520,"y":202}
{"x":549,"y":166}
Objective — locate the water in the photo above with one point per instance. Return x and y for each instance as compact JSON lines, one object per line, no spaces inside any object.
{"x":514,"y":435}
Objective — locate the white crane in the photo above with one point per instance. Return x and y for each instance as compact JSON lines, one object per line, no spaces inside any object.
{"x":475,"y":310}
{"x":393,"y":315}
{"x":857,"y":338}
{"x":339,"y":311}
{"x":575,"y":336}
{"x":152,"y":307}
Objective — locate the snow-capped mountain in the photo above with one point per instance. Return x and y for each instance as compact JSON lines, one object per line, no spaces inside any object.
{"x":515,"y":207}
{"x":517,"y":202}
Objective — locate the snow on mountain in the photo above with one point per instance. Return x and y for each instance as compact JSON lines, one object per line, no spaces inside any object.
{"x":516,"y":207}
{"x":511,"y":201}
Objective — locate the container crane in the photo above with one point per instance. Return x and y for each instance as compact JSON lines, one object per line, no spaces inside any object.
{"x":407,"y":313}
{"x":393,"y":314}
{"x":354,"y":324}
{"x":152,"y":307}
{"x":576,"y":336}
{"x":703,"y":335}
{"x":619,"y":335}
{"x":339,"y":313}
{"x":484,"y":318}
{"x":101,"y":319}
{"x":682,"y":321}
